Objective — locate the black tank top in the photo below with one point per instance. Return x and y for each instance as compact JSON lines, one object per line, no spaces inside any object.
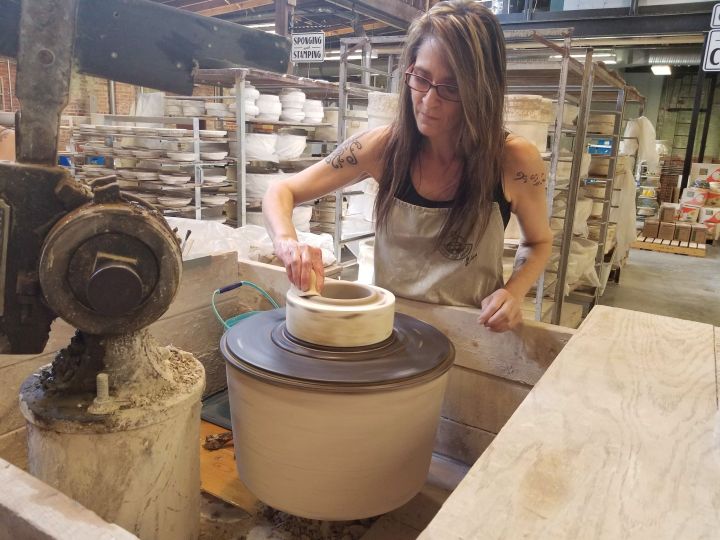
{"x":407,"y":193}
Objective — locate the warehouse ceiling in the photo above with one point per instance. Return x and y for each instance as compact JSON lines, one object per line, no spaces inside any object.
{"x":637,"y":36}
{"x":337,"y":18}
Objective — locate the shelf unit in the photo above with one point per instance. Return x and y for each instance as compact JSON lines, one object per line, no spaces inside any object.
{"x":360,"y":91}
{"x":550,"y":70}
{"x":265,"y":82}
{"x":568,"y":75}
{"x":114,"y":128}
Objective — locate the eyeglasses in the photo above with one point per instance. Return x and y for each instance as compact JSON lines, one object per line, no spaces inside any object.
{"x":449,"y":92}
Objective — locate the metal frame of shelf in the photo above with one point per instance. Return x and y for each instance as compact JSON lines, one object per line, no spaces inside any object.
{"x":265,"y":81}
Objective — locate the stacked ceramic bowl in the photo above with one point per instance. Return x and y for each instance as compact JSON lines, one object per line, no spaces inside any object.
{"x":251,"y":96}
{"x":314,"y":111}
{"x":269,"y":107}
{"x":292,"y":105}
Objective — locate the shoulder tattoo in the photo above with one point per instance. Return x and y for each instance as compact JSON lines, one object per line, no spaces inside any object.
{"x":344,"y":154}
{"x":536,"y":179}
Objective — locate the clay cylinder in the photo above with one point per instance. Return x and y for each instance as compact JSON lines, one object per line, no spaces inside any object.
{"x":346,"y":315}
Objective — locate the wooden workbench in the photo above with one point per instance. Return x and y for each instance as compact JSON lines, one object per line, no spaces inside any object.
{"x":620,"y":438}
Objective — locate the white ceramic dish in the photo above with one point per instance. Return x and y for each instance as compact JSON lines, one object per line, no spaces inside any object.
{"x":172,"y":179}
{"x":215,"y":179}
{"x":146,"y":175}
{"x":127,"y":173}
{"x":213,"y":156}
{"x":215,"y":200}
{"x":212,"y":133}
{"x":174,"y":202}
{"x":181,"y":156}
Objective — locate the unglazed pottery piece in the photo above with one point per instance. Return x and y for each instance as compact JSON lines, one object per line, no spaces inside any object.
{"x":347,"y":314}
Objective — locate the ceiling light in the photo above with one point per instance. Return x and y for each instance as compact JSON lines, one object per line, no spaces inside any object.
{"x":261,"y":25}
{"x":661,"y":70}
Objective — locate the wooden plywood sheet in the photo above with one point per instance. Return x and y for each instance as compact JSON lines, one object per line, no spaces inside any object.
{"x":218,"y":474}
{"x":617,"y":440}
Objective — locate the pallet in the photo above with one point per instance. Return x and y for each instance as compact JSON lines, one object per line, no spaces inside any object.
{"x":692,"y":249}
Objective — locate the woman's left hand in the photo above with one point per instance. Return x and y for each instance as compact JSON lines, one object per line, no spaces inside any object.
{"x":500,"y":311}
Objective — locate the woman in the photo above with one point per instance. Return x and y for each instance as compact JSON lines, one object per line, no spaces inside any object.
{"x":448,"y":176}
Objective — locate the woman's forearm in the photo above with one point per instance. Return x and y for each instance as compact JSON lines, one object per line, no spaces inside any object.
{"x":530,"y":262}
{"x":277,"y":207}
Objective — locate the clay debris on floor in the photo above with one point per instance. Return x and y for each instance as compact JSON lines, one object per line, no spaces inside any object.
{"x":222,"y":521}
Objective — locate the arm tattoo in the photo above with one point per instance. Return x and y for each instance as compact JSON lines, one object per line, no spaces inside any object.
{"x":345,"y":153}
{"x":535,"y":179}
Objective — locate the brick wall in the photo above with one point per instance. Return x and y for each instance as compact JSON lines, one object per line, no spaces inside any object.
{"x":8,"y":83}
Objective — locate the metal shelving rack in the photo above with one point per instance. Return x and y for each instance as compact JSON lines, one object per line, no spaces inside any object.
{"x":582,"y":83}
{"x":192,"y":135}
{"x":265,"y":82}
{"x":348,"y":89}
{"x":607,"y":88}
{"x":550,"y":70}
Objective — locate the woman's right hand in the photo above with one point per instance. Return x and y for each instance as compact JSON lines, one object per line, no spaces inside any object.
{"x":299,"y":261}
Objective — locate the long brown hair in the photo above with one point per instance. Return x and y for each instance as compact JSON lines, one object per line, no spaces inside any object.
{"x":473,"y":41}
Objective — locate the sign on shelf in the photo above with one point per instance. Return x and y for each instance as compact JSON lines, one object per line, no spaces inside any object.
{"x":715,"y":21}
{"x":307,"y":47}
{"x":712,"y":52}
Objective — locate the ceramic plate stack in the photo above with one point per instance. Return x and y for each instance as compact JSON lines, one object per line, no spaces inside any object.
{"x":174,"y":202}
{"x":290,"y":143}
{"x":251,"y":97}
{"x":259,"y":146}
{"x":269,"y":108}
{"x":215,"y":200}
{"x":174,"y":180}
{"x":292,"y":102}
{"x":314,"y":111}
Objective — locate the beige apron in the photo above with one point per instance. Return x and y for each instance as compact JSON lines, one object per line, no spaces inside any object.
{"x":459,"y":273}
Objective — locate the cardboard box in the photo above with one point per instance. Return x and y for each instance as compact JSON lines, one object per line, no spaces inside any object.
{"x":699,"y":233}
{"x":688,"y":213}
{"x":683,"y":232}
{"x":694,"y":196}
{"x":667,"y":231}
{"x":651,"y":228}
{"x":710,"y":217}
{"x":668,"y":211}
{"x":713,"y":199}
{"x":709,"y":172}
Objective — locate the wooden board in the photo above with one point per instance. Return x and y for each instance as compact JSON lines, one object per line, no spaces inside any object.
{"x":218,"y":474}
{"x":617,"y":440}
{"x":670,"y":246}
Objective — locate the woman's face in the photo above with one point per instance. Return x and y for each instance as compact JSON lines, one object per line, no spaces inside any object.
{"x":434,"y":116}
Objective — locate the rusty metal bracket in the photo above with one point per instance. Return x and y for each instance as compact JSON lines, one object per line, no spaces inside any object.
{"x":45,"y":53}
